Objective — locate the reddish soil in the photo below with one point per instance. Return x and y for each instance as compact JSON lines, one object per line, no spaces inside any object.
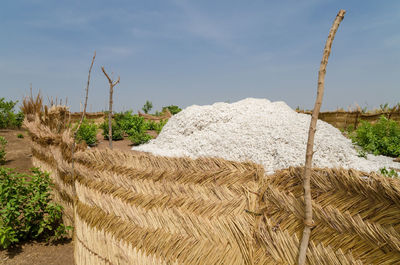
{"x":18,"y":150}
{"x":124,"y":144}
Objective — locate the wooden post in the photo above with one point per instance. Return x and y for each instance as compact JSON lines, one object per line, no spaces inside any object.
{"x":308,"y":222}
{"x":87,"y":95}
{"x":112,"y":85}
{"x":80,"y":123}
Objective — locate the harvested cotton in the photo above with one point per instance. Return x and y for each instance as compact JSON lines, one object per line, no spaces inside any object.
{"x":268,"y":133}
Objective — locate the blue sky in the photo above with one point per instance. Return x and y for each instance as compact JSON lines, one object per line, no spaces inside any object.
{"x":199,"y":52}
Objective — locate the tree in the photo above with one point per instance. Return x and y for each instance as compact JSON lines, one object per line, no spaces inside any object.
{"x":147,"y":107}
{"x":112,"y":85}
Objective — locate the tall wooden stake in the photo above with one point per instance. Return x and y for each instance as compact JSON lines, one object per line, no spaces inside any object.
{"x":112,"y":85}
{"x":80,"y":122}
{"x":308,"y":222}
{"x":87,"y":94}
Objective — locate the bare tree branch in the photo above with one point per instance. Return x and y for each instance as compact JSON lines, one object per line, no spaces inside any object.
{"x":308,"y":222}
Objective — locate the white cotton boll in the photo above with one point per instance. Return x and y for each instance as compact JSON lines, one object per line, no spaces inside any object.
{"x":258,"y":130}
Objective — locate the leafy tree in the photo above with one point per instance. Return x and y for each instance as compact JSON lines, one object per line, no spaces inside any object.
{"x":147,"y":106}
{"x":9,"y":119}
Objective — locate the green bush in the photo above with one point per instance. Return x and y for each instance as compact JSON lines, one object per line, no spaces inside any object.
{"x":137,"y":130}
{"x":160,"y":125}
{"x":3,"y":143}
{"x":138,"y":138}
{"x":87,"y":132}
{"x":173,"y":109}
{"x":155,"y":126}
{"x":381,"y":138}
{"x":117,"y":132}
{"x":9,"y":119}
{"x":26,"y":210}
{"x":20,"y":135}
{"x":151,"y":125}
{"x":132,"y":125}
{"x":389,"y":173}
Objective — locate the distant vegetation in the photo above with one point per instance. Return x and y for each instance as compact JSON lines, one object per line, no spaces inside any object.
{"x":8,"y":117}
{"x":173,"y":109}
{"x":87,"y":132}
{"x":147,"y":106}
{"x":381,"y":138}
{"x":3,"y":143}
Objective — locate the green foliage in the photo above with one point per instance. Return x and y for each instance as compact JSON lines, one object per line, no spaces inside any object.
{"x":384,"y":107}
{"x":160,"y":125}
{"x":132,"y":125}
{"x":138,"y":138}
{"x":117,"y":132}
{"x":362,"y":153}
{"x":173,"y":109}
{"x":3,"y":143}
{"x":381,"y":138}
{"x":389,"y":173}
{"x":87,"y":132}
{"x":350,"y":128}
{"x":137,"y":130}
{"x":147,"y":106}
{"x":155,"y":126}
{"x":20,"y":135}
{"x":19,"y":119}
{"x":26,"y":210}
{"x":9,"y":119}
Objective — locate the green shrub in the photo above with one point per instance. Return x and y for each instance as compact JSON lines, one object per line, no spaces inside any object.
{"x":151,"y":125}
{"x":137,"y":130}
{"x":155,"y":126}
{"x":3,"y":143}
{"x":26,"y":210}
{"x":389,"y":173}
{"x":8,"y":119}
{"x":138,"y":138}
{"x":87,"y":132}
{"x":19,"y":119}
{"x":381,"y":138}
{"x":117,"y":132}
{"x":173,"y":109}
{"x":132,"y":125}
{"x":20,"y":135}
{"x":160,"y":125}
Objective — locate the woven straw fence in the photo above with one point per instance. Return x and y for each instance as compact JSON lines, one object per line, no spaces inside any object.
{"x":136,"y":208}
{"x":344,"y":119}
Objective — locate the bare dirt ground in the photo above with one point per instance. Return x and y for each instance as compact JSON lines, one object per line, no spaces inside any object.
{"x":18,"y":150}
{"x":36,"y":253}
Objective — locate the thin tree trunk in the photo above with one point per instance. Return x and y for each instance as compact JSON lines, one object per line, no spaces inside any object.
{"x":112,"y":85}
{"x":110,"y":117}
{"x":308,"y":222}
